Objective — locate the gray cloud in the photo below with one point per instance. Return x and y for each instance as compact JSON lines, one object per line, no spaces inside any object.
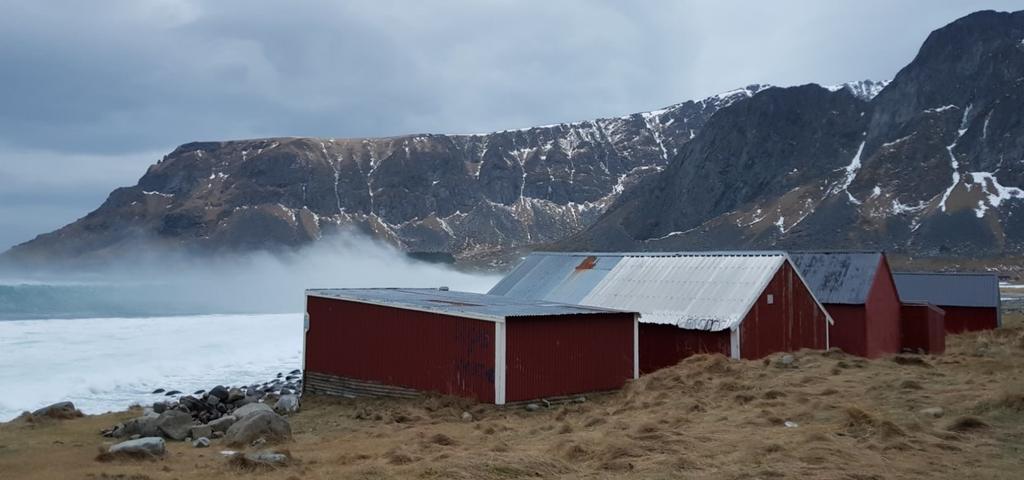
{"x":96,"y":86}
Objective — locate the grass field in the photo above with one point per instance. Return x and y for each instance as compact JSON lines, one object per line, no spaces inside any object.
{"x":708,"y":417}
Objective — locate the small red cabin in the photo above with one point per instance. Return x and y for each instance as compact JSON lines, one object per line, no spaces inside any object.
{"x":924,"y":328}
{"x":971,"y":300}
{"x":739,"y":304}
{"x":858,"y":291}
{"x":400,"y":342}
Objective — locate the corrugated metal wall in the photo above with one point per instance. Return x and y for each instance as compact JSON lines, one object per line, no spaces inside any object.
{"x":882,"y":312}
{"x":790,"y":322}
{"x":924,"y":328}
{"x":872,"y":329}
{"x":567,"y":354}
{"x":666,"y":345}
{"x":419,"y":350}
{"x":970,"y":319}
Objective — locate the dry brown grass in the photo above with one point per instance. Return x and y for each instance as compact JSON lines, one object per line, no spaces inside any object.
{"x":708,"y":417}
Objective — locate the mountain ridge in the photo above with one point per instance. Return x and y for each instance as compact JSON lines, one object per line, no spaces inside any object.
{"x":461,"y":194}
{"x":924,"y":168}
{"x":927,"y":164}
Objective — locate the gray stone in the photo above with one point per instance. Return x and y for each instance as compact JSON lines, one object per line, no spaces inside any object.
{"x":193,"y":404}
{"x":787,"y":360}
{"x":263,"y":424}
{"x":148,"y":446}
{"x":58,"y":410}
{"x":934,"y":412}
{"x":467,"y":417}
{"x":287,"y":404}
{"x":269,"y":458}
{"x":159,"y":407}
{"x":213,"y":401}
{"x":220,"y":392}
{"x":532,"y":407}
{"x":200,"y":431}
{"x":201,"y":442}
{"x":250,"y":408}
{"x":174,"y":424}
{"x":235,"y":394}
{"x":145,"y":426}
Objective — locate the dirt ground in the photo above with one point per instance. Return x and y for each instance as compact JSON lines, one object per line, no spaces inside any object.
{"x":828,"y":416}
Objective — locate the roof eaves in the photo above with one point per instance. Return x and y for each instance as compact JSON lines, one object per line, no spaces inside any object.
{"x":407,"y":306}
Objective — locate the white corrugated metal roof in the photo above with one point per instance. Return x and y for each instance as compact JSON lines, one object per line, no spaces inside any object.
{"x":700,"y":292}
{"x":693,"y":290}
{"x":464,"y":304}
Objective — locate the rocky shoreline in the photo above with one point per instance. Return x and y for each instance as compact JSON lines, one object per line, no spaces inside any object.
{"x":247,"y":416}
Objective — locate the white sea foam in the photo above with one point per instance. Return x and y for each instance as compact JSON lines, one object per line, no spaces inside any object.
{"x":105,"y":364}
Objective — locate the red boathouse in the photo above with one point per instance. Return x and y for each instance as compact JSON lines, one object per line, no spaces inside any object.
{"x":970,"y":300}
{"x":739,"y":304}
{"x":857,"y":289}
{"x":924,"y":328}
{"x":400,"y":342}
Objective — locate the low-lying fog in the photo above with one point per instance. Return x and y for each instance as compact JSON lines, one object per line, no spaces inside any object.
{"x":144,"y":284}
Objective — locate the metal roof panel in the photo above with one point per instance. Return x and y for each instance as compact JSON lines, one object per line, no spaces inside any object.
{"x":949,"y":289}
{"x":464,"y":304}
{"x":692,"y":290}
{"x":839,"y":277}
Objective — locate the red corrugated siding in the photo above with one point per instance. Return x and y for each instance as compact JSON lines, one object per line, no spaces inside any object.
{"x":666,"y":345}
{"x":970,"y":319}
{"x":420,"y":350}
{"x":883,"y":314}
{"x":872,"y":329}
{"x":924,"y":328}
{"x":793,"y":321}
{"x":849,"y":332}
{"x":567,"y":354}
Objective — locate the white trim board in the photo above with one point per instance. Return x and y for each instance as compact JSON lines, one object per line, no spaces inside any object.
{"x":499,"y":363}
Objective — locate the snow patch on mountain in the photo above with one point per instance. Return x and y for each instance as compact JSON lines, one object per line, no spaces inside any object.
{"x":995,"y":192}
{"x":953,"y":163}
{"x":863,"y":89}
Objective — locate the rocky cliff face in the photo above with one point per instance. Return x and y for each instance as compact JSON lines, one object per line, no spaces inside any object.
{"x":930,"y":166}
{"x":463,"y":195}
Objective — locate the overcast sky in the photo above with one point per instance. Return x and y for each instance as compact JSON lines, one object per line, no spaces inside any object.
{"x":91,"y":93}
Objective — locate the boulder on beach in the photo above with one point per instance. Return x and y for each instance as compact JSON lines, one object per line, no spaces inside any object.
{"x":220,"y":392}
{"x":251,"y":408}
{"x":144,"y":426}
{"x":141,"y":447}
{"x":198,"y":431}
{"x":222,"y":424}
{"x":235,"y":394}
{"x":193,"y":404}
{"x":59,"y":410}
{"x":174,"y":424}
{"x":263,"y":460}
{"x":287,"y":404}
{"x":265,"y":425}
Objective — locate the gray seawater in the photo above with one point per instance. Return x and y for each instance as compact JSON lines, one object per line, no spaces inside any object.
{"x":93,"y":345}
